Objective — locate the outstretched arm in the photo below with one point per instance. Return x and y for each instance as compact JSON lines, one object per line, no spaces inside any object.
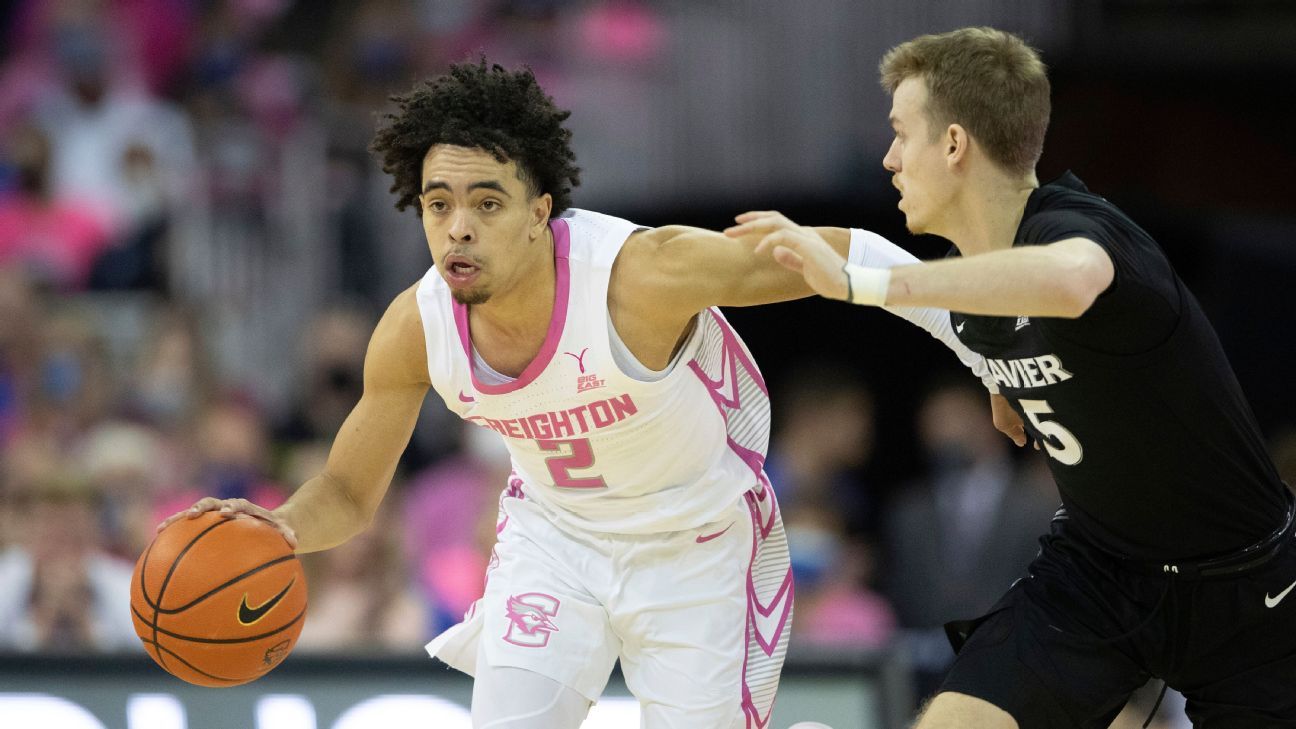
{"x":663,"y":277}
{"x":1060,"y":279}
{"x":341,"y":501}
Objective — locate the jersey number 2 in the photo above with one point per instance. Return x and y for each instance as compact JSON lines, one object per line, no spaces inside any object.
{"x":1060,"y":443}
{"x":571,"y":455}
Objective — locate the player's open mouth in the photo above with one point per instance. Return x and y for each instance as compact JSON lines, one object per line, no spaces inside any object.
{"x":460,"y":271}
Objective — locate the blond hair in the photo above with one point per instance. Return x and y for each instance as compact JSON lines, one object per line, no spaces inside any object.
{"x":989,"y":81}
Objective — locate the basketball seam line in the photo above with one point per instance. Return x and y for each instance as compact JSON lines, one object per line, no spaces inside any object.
{"x":172,"y":611}
{"x":167,"y":580}
{"x":220,"y":641}
{"x":191,"y":666}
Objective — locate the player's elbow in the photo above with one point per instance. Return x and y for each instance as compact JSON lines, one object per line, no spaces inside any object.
{"x":1085,"y":277}
{"x":1074,"y":298}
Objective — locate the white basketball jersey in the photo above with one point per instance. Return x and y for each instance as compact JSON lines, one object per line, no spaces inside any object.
{"x":600,"y":449}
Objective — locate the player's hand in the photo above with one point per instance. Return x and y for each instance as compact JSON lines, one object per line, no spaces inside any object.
{"x":796,"y":247}
{"x":1007,"y":421}
{"x":234,"y":508}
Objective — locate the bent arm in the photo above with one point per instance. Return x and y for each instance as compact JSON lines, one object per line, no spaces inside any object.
{"x":341,"y":501}
{"x":1060,"y":279}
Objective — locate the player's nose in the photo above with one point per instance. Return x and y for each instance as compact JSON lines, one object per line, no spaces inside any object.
{"x":461,"y":228}
{"x":892,"y":159}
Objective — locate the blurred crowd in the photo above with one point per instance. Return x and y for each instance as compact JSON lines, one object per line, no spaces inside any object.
{"x":194,"y":247}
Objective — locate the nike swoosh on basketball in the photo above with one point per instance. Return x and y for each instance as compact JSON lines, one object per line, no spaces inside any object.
{"x":250,"y":615}
{"x":1271,"y":602}
{"x":466,"y":398}
{"x":702,"y":540}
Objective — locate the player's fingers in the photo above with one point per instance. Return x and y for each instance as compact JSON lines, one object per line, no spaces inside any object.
{"x":1018,"y":437}
{"x":289,"y":535}
{"x":752,"y":227}
{"x":200,"y":506}
{"x":768,"y":242}
{"x":789,"y":258}
{"x":756,"y":215}
{"x":758,"y":221}
{"x":783,"y":238}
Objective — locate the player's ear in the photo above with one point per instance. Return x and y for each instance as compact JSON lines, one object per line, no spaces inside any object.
{"x":957,"y":143}
{"x":541,"y":207}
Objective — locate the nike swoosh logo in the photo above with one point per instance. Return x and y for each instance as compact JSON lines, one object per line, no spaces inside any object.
{"x":1271,"y":602}
{"x":959,"y":328}
{"x":702,"y":540}
{"x":465,"y":398}
{"x":252,"y":615}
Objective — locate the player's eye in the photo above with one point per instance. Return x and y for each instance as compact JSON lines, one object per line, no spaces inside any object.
{"x":490,"y":206}
{"x":437,"y":206}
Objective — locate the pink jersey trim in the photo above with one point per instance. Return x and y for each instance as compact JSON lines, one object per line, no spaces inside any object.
{"x":733,"y":355}
{"x":782,"y":600}
{"x":562,"y":292}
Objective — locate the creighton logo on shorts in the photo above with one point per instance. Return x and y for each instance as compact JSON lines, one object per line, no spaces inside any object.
{"x":529,"y":619}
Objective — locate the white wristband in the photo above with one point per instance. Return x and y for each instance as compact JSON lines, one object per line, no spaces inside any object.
{"x":867,"y":286}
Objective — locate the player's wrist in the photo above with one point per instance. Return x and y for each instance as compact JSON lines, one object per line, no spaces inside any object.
{"x":866,"y":286}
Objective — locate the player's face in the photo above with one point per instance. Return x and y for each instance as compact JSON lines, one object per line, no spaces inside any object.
{"x":481,"y":223}
{"x":917,"y":158}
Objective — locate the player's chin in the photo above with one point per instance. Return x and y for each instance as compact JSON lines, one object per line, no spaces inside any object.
{"x":471,"y":297}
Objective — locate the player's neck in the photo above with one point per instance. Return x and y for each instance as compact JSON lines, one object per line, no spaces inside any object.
{"x":990,"y":211}
{"x":521,"y":311}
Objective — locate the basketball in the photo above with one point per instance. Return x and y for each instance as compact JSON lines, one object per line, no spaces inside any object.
{"x":218,"y":601}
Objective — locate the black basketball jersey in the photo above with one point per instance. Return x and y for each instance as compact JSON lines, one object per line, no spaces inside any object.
{"x":1154,"y":448}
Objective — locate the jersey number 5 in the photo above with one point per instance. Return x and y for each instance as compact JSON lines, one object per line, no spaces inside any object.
{"x":1060,"y":443}
{"x":571,"y":455}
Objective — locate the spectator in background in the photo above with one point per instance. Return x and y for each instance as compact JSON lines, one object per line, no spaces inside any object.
{"x":959,"y":536}
{"x":172,"y":378}
{"x":59,"y":590}
{"x":362,"y":598}
{"x":836,"y":607}
{"x":74,"y":388}
{"x":97,"y":120}
{"x":19,"y":352}
{"x":232,"y":459}
{"x":55,"y":240}
{"x":450,"y":521}
{"x":823,"y":437}
{"x":334,"y":350}
{"x":128,"y":464}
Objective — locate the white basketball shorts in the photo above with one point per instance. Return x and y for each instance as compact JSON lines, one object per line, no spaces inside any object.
{"x":699,"y":618}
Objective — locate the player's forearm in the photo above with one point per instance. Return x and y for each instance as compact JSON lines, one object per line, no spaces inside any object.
{"x":1017,"y":282}
{"x":767,"y":282}
{"x":323,"y":515}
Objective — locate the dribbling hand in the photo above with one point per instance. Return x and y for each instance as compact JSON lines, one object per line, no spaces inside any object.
{"x":796,"y":247}
{"x":233,"y":508}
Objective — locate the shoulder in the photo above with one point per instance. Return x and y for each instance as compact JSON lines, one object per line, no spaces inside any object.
{"x":1067,"y":209}
{"x":594,"y":236}
{"x":397,"y":353}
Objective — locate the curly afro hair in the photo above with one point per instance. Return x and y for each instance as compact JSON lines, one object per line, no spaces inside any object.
{"x":485,"y":107}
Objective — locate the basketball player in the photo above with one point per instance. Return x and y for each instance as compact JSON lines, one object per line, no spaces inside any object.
{"x":1172,"y":553}
{"x":638,"y":523}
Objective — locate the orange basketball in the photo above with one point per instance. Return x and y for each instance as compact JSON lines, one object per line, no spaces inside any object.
{"x":218,"y":601}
